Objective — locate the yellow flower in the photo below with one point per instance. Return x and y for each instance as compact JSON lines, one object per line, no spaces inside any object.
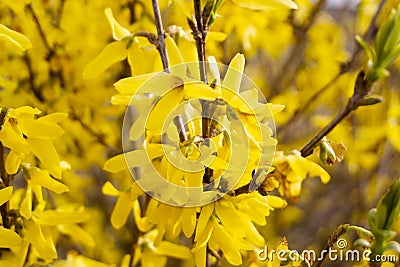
{"x":150,"y":254}
{"x":23,"y":133}
{"x":293,"y":170}
{"x":124,"y":204}
{"x":175,"y":168}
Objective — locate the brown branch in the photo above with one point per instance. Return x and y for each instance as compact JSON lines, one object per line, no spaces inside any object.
{"x":36,"y":91}
{"x":347,"y":66}
{"x":160,"y":35}
{"x":200,"y":34}
{"x":361,"y":90}
{"x":4,"y":179}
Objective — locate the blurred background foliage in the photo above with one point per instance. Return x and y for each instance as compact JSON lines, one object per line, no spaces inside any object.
{"x":306,"y":59}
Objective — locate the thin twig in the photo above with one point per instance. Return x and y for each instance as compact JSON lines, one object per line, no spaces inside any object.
{"x":347,"y":66}
{"x":160,"y":35}
{"x":361,"y":90}
{"x":200,"y":34}
{"x":36,"y":91}
{"x":4,"y":182}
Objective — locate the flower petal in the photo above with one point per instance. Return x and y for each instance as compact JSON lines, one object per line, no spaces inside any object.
{"x":43,"y":178}
{"x":44,"y":247}
{"x":47,"y":154}
{"x":173,"y":250}
{"x":9,"y":238}
{"x":5,"y":194}
{"x":112,"y":53}
{"x":121,"y":210}
{"x":18,"y":40}
{"x":118,"y":31}
{"x":40,"y":129}
{"x":56,"y":117}
{"x":54,"y":217}
{"x":13,"y":161}
{"x":233,"y":77}
{"x":109,"y":189}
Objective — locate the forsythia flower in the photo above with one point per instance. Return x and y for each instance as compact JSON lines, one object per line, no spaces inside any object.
{"x":23,"y":133}
{"x":293,"y":169}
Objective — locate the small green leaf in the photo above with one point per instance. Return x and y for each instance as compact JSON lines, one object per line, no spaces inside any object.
{"x":371,"y":100}
{"x":372,"y":218}
{"x":367,"y":48}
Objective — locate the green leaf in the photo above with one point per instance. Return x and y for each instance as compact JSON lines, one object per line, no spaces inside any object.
{"x":370,"y":53}
{"x":372,"y":218}
{"x":371,"y":100}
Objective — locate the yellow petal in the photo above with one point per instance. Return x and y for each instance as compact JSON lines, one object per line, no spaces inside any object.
{"x":25,"y":112}
{"x":175,"y":58}
{"x":204,"y":217}
{"x":44,"y":247}
{"x":215,"y":36}
{"x":227,"y":244}
{"x":77,"y":233}
{"x":172,"y":250}
{"x":9,"y":238}
{"x":115,"y":164}
{"x":121,"y":210}
{"x":42,"y":178}
{"x":142,"y":223}
{"x":74,"y":260}
{"x":54,"y":217}
{"x":26,"y":205}
{"x":13,"y":140}
{"x":109,"y":190}
{"x":40,"y":129}
{"x":47,"y":154}
{"x":233,"y":77}
{"x":200,"y":91}
{"x":201,"y":257}
{"x":188,"y":221}
{"x":262,"y":5}
{"x":205,"y":236}
{"x":56,"y":117}
{"x":275,"y":201}
{"x":118,"y":31}
{"x":162,"y":109}
{"x":112,"y":53}
{"x":18,"y":40}
{"x":229,"y":217}
{"x":5,"y":194}
{"x":13,"y":161}
{"x":302,"y":167}
{"x":159,"y":82}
